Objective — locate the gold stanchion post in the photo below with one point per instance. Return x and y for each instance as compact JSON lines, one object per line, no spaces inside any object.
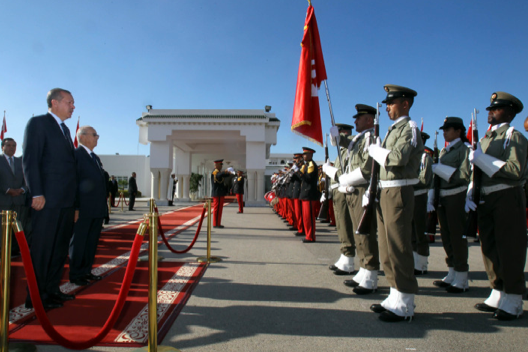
{"x":153,"y":286}
{"x":208,"y":259}
{"x":8,"y":218}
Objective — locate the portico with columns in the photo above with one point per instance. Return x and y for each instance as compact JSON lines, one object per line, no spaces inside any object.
{"x":187,"y":141}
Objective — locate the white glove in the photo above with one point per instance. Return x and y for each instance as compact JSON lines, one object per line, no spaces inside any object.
{"x":470,"y":204}
{"x":365,"y":200}
{"x":326,"y":165}
{"x":378,"y":153}
{"x":345,"y":189}
{"x":430,"y":201}
{"x":231,"y":170}
{"x":295,"y":168}
{"x":334,"y":132}
{"x":323,"y":198}
{"x":473,"y":154}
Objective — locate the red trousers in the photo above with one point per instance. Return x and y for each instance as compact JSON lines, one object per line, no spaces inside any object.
{"x":291,"y":211}
{"x":298,"y":214}
{"x":218,"y":206}
{"x":240,"y":200}
{"x":309,"y":213}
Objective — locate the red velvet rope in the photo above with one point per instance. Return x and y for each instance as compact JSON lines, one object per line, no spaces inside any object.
{"x":160,"y":229}
{"x":41,"y":313}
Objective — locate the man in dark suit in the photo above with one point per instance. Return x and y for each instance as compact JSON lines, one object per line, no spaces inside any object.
{"x":114,"y":188}
{"x":132,"y":191}
{"x":90,"y":208}
{"x":49,"y":167}
{"x":13,"y":187}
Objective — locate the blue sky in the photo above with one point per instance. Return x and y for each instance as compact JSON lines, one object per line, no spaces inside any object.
{"x":118,"y":56}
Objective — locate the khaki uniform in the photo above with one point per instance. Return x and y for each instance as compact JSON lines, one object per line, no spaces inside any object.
{"x":367,"y":245}
{"x":342,"y":215}
{"x":396,"y":205}
{"x":502,"y":216}
{"x":420,"y":241}
{"x":451,"y":214}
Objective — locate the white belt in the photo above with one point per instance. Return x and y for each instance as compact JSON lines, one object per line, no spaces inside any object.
{"x":334,"y":186}
{"x":398,"y":183}
{"x":420,"y":192}
{"x":452,"y":191}
{"x":491,"y":189}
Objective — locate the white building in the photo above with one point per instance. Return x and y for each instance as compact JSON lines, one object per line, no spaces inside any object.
{"x":185,"y":141}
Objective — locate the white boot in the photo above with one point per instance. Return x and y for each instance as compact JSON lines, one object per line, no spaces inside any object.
{"x":345,"y":263}
{"x":494,"y":299}
{"x":369,"y":280}
{"x":401,"y":304}
{"x":420,"y":263}
{"x":389,"y":302}
{"x":446,"y":281}
{"x":511,"y":304}
{"x":460,"y":282}
{"x":359,"y":276}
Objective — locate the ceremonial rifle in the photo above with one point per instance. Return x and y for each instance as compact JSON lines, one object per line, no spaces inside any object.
{"x":370,"y":210}
{"x":472,"y":223}
{"x":333,"y":124}
{"x":327,"y":179}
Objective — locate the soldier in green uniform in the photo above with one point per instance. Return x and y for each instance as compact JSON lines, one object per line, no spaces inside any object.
{"x":356,"y":179}
{"x":399,"y":157}
{"x":501,"y":155}
{"x":419,"y":240}
{"x":345,"y":264}
{"x":454,"y":172}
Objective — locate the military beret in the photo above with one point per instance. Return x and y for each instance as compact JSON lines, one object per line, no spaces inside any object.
{"x":307,"y":150}
{"x":499,"y":99}
{"x":453,"y":122}
{"x":394,"y":91}
{"x":344,"y":126}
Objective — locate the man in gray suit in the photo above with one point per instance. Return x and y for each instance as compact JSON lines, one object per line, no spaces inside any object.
{"x":13,"y":186}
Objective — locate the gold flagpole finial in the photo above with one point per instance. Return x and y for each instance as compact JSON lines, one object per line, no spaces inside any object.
{"x":309,"y":2}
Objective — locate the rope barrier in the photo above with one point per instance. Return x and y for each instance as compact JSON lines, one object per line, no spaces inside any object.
{"x":116,"y":311}
{"x":160,"y":229}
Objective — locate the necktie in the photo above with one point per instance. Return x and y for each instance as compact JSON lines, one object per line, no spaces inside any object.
{"x":95,"y":160}
{"x":12,"y":164}
{"x":67,"y":135}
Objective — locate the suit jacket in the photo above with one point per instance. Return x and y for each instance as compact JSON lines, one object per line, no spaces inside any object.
{"x":8,"y":180}
{"x":49,"y":162}
{"x":91,"y":189}
{"x":114,"y":187}
{"x":132,"y":185}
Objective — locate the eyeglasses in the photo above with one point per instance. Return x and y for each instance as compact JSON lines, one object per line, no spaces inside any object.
{"x":93,"y":134}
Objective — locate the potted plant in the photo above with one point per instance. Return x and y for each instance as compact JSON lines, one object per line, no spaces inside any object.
{"x":194,"y":183}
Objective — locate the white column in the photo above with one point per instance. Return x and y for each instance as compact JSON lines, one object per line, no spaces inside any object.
{"x":179,"y":187}
{"x":164,"y":188}
{"x":186,"y":181}
{"x":251,"y":187}
{"x":154,"y":184}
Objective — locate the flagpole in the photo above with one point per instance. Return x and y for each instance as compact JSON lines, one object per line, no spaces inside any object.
{"x":333,"y":124}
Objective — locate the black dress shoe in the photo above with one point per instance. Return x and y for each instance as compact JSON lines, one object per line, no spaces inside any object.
{"x":300,"y":234}
{"x":453,"y":289}
{"x":420,"y":272}
{"x":61,"y":297}
{"x":219,"y":226}
{"x":79,"y":282}
{"x":504,"y":316}
{"x":377,"y":308}
{"x":47,"y":303}
{"x":292,"y":229}
{"x":304,"y":240}
{"x":390,"y":317}
{"x":340,"y":272}
{"x":363,"y":291}
{"x":93,"y":277}
{"x":239,"y":212}
{"x":441,"y":283}
{"x":351,"y":283}
{"x":332,"y":225}
{"x":483,"y":307}
{"x":332,"y":267}
{"x":325,"y":221}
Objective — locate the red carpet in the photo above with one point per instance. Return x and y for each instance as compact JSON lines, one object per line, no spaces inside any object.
{"x":84,"y":317}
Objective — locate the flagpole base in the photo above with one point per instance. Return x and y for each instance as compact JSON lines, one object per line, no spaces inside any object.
{"x":21,"y":347}
{"x":208,"y":260}
{"x":159,"y":349}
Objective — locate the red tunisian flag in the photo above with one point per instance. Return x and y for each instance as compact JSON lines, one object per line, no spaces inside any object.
{"x":306,"y":119}
{"x":469,"y":134}
{"x":75,"y":142}
{"x":4,"y":129}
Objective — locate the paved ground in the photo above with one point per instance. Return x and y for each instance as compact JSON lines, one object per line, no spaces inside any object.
{"x":273,"y":293}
